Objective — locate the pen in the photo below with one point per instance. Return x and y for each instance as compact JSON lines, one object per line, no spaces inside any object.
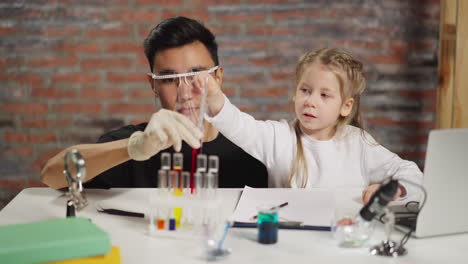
{"x":273,"y":208}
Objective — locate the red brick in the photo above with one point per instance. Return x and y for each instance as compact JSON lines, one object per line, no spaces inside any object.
{"x":125,"y":47}
{"x":236,"y":45}
{"x":94,"y":3}
{"x":79,"y":108}
{"x":381,"y":121}
{"x":30,"y":78}
{"x":43,"y":157}
{"x":418,"y":94}
{"x":277,"y":1}
{"x":132,"y":15}
{"x":304,"y":14}
{"x":267,"y":62}
{"x":105,"y":63}
{"x":114,"y":77}
{"x":142,"y":93}
{"x":144,"y":30}
{"x":13,"y":184}
{"x":52,"y":93}
{"x":25,"y":108}
{"x":20,"y":137}
{"x":242,"y":78}
{"x":225,"y":30}
{"x":361,"y":44}
{"x":228,"y":91}
{"x":215,"y":2}
{"x":415,"y":139}
{"x":271,"y":30}
{"x":198,"y":14}
{"x":131,"y":108}
{"x":77,"y":77}
{"x":380,"y":31}
{"x":8,"y":30}
{"x":23,"y":151}
{"x":387,"y":59}
{"x":398,"y":47}
{"x":423,"y":45}
{"x":237,"y":60}
{"x":10,"y":62}
{"x":280,"y":76}
{"x":249,"y":108}
{"x":142,"y":61}
{"x":285,"y":108}
{"x":44,"y":123}
{"x":71,"y":48}
{"x":110,"y":32}
{"x":266,"y":92}
{"x":103,"y":93}
{"x":161,"y":2}
{"x":61,"y":31}
{"x":35,"y":183}
{"x":52,"y":61}
{"x":242,"y":17}
{"x":342,"y":13}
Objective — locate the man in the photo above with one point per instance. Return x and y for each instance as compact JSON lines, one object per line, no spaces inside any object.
{"x":130,"y":156}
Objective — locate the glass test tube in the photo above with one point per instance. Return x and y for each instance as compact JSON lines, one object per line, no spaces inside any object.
{"x":165,"y":161}
{"x":178,"y":163}
{"x":162,"y":191}
{"x":212,"y":176}
{"x":202,"y":164}
{"x":213,"y":162}
{"x":198,"y":183}
{"x":185,"y":178}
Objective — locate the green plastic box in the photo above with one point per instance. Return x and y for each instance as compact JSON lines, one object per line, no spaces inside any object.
{"x":52,"y":240}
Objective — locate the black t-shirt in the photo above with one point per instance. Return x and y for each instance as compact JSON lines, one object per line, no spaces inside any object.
{"x":236,"y":167}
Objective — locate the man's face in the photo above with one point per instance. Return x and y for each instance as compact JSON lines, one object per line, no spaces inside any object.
{"x":179,"y":94}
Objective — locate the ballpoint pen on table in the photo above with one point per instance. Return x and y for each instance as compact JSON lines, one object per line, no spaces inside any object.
{"x":272,"y":208}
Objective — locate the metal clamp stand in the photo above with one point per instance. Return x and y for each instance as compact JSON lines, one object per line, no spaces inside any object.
{"x":75,"y":173}
{"x":388,"y":247}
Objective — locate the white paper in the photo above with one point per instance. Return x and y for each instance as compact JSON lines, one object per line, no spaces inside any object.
{"x":313,"y":207}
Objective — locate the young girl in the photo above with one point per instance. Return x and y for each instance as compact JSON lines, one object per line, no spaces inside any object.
{"x":325,"y":146}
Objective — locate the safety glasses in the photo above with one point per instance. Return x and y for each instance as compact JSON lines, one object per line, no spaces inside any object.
{"x":177,"y":79}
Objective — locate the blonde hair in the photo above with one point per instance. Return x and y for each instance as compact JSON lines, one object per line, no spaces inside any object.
{"x":352,"y":85}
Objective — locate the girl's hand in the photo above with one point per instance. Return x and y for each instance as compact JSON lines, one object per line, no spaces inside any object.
{"x":214,"y":94}
{"x":371,"y":189}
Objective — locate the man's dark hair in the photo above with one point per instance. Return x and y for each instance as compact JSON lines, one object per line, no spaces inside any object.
{"x":176,"y":32}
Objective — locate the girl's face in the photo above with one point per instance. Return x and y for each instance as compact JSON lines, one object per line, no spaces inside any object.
{"x":318,"y":102}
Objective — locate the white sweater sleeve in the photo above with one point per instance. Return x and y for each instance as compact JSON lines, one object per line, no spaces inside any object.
{"x":380,"y":163}
{"x":258,"y":138}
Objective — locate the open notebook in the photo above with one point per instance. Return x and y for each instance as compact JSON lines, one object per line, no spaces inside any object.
{"x":306,"y":209}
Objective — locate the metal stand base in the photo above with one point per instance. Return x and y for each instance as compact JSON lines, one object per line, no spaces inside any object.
{"x":388,"y":248}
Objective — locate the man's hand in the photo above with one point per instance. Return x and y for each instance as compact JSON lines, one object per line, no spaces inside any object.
{"x":371,"y":189}
{"x":166,"y":128}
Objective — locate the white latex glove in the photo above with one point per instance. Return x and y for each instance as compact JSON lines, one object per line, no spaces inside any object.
{"x":165,"y":128}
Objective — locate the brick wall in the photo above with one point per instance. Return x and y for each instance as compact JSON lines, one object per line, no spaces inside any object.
{"x":70,"y":70}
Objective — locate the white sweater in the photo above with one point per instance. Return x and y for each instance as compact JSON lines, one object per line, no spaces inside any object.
{"x":352,"y":158}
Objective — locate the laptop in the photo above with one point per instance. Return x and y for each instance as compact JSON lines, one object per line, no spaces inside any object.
{"x":446,"y":182}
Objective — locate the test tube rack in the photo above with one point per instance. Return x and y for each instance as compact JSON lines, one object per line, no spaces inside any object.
{"x":184,"y":204}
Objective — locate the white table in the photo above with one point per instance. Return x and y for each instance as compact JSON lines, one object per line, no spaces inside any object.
{"x":294,"y":246}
